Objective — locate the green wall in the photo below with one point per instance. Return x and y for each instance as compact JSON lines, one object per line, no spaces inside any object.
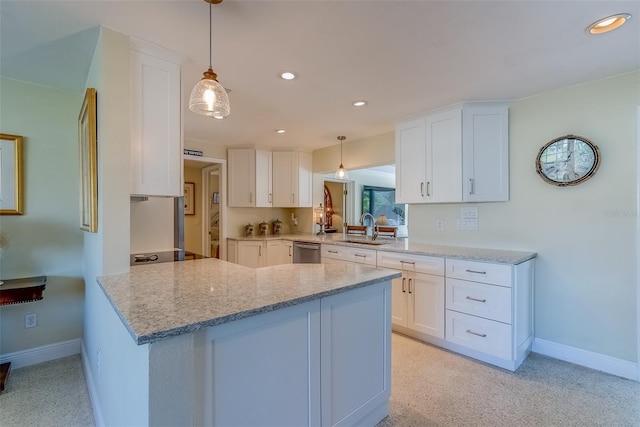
{"x":46,"y":240}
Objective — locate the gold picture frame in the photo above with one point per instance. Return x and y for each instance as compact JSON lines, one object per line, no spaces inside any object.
{"x":88,"y":140}
{"x":11,"y":186}
{"x":189,"y":198}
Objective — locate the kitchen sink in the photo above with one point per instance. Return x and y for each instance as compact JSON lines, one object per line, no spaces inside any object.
{"x":364,"y":242}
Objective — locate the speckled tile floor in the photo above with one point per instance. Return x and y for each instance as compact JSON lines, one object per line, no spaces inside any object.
{"x":47,"y":394}
{"x":430,"y":387}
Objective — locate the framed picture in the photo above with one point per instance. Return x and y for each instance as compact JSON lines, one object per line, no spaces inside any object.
{"x":11,"y":187}
{"x":189,"y":198}
{"x":88,"y":140}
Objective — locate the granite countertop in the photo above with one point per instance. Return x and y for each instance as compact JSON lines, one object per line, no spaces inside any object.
{"x":164,"y":300}
{"x":404,"y":245}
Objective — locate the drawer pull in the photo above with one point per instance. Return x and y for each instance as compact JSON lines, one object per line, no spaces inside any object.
{"x":333,"y":252}
{"x":407,"y":262}
{"x":469,"y":331}
{"x":475,"y":271}
{"x":361,"y":256}
{"x":476,"y":299}
{"x":404,"y":281}
{"x":410,"y":285}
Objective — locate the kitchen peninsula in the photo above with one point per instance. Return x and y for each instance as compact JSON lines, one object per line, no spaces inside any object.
{"x":215,"y":343}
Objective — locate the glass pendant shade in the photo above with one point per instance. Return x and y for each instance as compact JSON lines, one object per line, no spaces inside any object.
{"x":209,"y":98}
{"x":341,"y":173}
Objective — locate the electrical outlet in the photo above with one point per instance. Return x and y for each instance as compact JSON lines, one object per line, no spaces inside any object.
{"x":439,"y":224}
{"x":30,"y":320}
{"x":98,"y":360}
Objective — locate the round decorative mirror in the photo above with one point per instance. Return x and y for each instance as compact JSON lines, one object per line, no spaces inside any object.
{"x":568,"y":160}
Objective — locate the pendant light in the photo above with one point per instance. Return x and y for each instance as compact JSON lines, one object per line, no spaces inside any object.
{"x":208,"y":97}
{"x":341,"y":173}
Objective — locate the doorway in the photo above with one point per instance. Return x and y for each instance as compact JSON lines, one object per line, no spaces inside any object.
{"x":205,"y":229}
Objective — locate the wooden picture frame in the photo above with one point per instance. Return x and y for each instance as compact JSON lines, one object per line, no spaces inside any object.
{"x":11,"y":174}
{"x":189,"y":198}
{"x":88,"y":146}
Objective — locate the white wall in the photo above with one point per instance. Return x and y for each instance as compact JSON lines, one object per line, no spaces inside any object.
{"x":107,"y":251}
{"x":585,"y":295}
{"x":46,"y":239}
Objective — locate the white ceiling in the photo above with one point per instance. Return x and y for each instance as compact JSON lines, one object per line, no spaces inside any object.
{"x":404,"y":57}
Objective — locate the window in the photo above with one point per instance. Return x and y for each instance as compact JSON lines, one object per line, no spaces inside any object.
{"x":380,"y":201}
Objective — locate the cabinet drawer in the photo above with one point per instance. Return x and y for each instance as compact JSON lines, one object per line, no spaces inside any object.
{"x":484,"y":272}
{"x":410,"y":262}
{"x":478,"y":299}
{"x":330,"y":251}
{"x":357,"y":255}
{"x":487,"y":336}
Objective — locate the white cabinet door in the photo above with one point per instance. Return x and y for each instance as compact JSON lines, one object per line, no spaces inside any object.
{"x":410,"y":162}
{"x":305,"y":178}
{"x":485,"y":152}
{"x":444,"y":157}
{"x":264,"y":370}
{"x":426,"y":304}
{"x":355,"y":358}
{"x":250,"y":183}
{"x":399,"y":301}
{"x":292,"y":177}
{"x":252,"y":254}
{"x":156,"y":132}
{"x":242,"y":177}
{"x":264,"y":181}
{"x":279,"y":252}
{"x":285,"y":165}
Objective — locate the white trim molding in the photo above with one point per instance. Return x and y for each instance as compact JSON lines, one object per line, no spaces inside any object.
{"x":638,"y":241}
{"x":610,"y":365}
{"x":45,"y":353}
{"x":91,"y":387}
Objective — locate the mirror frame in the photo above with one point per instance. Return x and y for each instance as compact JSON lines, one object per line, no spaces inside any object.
{"x":592,"y":170}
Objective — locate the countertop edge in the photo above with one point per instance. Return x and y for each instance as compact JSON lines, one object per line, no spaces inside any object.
{"x":507,"y":256}
{"x":194,"y":327}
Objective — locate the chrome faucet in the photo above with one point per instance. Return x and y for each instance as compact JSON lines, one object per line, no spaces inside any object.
{"x":374,"y":231}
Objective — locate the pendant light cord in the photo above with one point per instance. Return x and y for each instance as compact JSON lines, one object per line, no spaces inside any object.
{"x":210,"y":48}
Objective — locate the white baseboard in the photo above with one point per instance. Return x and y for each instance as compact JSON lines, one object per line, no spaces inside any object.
{"x":20,"y":359}
{"x":91,"y":386}
{"x":600,"y":362}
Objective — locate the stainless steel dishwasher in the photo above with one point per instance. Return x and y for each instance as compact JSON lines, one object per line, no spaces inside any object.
{"x":306,"y":253}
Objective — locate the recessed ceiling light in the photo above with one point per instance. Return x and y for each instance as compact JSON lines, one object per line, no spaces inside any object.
{"x":609,"y":23}
{"x":280,"y":131}
{"x":360,"y":103}
{"x":288,"y":75}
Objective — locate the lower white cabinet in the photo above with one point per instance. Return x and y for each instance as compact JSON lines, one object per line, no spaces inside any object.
{"x":489,"y":310}
{"x":417,"y":303}
{"x":279,"y":252}
{"x":260,"y":253}
{"x":321,"y":363}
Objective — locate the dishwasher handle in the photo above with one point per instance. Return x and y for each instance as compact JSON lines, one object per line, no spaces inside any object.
{"x":303,"y":246}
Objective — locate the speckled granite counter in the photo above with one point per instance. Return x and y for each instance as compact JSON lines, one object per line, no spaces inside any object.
{"x":164,"y":300}
{"x":405,"y":245}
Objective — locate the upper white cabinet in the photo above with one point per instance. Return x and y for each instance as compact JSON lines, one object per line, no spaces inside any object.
{"x":292,"y":176}
{"x":156,"y":131}
{"x":457,"y":154}
{"x":485,"y":152}
{"x":250,"y":178}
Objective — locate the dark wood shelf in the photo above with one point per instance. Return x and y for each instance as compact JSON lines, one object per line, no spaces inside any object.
{"x":17,"y":291}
